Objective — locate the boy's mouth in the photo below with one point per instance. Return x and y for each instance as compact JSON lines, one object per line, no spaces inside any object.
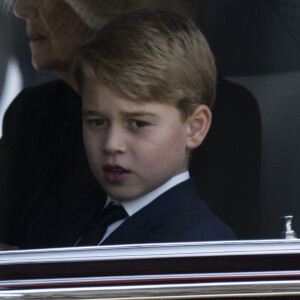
{"x":115,"y":172}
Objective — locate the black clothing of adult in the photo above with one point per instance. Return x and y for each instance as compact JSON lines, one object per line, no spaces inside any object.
{"x":42,"y":158}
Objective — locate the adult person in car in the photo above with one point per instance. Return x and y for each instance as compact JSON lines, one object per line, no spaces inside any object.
{"x":42,"y":158}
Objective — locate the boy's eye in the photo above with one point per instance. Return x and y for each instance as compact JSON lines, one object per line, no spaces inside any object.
{"x":139,"y":124}
{"x":96,"y":122}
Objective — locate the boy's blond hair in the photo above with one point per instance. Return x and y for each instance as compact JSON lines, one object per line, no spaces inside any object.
{"x":151,"y":56}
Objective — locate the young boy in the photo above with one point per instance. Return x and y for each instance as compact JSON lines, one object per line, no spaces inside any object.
{"x":147,"y":82}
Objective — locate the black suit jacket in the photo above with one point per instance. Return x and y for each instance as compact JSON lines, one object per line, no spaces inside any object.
{"x":178,"y":215}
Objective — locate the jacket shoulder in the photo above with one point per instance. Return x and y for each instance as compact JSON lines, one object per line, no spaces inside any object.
{"x":37,"y":97}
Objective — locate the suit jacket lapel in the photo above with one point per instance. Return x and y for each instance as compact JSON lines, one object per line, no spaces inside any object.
{"x":152,"y":223}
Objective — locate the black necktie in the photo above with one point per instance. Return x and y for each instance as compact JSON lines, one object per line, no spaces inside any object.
{"x":110,"y":214}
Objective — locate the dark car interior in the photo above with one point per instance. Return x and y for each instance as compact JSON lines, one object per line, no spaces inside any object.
{"x":248,"y":167}
{"x":256,"y":44}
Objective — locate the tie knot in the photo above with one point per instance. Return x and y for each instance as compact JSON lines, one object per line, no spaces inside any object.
{"x":111,"y":213}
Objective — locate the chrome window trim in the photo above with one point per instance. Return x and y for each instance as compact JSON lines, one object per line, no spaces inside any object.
{"x":148,"y":251}
{"x":171,"y":291}
{"x":154,"y":277}
{"x":201,"y":270}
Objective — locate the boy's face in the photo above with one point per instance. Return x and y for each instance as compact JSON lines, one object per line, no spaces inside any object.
{"x":132,"y":148}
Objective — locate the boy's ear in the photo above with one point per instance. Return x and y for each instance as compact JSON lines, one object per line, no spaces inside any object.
{"x":198,"y":125}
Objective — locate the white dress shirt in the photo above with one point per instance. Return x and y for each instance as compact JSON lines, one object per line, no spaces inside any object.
{"x":135,"y":205}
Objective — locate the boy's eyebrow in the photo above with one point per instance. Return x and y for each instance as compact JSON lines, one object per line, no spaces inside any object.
{"x":124,"y":113}
{"x":90,"y":113}
{"x":138,"y":114}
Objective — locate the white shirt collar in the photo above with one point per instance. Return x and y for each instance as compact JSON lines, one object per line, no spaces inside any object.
{"x":133,"y":206}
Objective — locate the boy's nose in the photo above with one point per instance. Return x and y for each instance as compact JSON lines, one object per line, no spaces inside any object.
{"x":24,"y":9}
{"x":114,"y":142}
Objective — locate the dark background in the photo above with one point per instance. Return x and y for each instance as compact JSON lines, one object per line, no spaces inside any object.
{"x":257,"y":44}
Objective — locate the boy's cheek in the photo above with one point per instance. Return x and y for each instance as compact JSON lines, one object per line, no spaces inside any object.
{"x":94,"y":157}
{"x":90,"y":142}
{"x":84,"y":134}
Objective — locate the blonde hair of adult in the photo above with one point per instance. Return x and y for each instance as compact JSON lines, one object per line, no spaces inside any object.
{"x":95,"y":14}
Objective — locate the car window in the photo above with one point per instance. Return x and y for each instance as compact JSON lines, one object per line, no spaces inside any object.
{"x":254,"y":179}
